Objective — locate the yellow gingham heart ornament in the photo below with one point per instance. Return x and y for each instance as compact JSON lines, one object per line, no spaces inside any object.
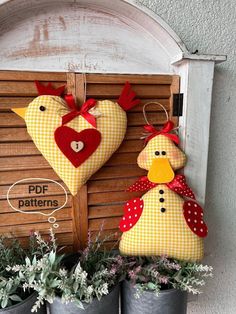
{"x":44,"y":115}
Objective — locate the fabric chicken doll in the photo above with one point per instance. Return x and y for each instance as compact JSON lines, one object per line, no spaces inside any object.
{"x":76,"y":141}
{"x":166,"y":220}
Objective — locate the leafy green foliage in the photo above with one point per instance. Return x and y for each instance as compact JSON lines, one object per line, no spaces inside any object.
{"x":94,"y":273}
{"x":12,"y":257}
{"x":90,"y":274}
{"x":159,"y":273}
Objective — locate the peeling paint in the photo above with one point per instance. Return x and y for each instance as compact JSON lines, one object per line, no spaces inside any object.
{"x":63,"y":23}
{"x":45,"y":30}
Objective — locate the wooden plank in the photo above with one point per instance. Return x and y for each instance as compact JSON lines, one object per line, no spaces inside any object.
{"x":131,"y":146}
{"x":19,"y":149}
{"x":21,"y":190}
{"x":28,"y":162}
{"x":105,"y":211}
{"x":132,"y":78}
{"x":14,"y":134}
{"x":6,"y":208}
{"x":175,"y":86}
{"x":10,"y":177}
{"x":21,"y":88}
{"x":105,"y":198}
{"x":16,"y":218}
{"x":118,"y":172}
{"x":108,"y":223}
{"x":11,"y":119}
{"x":135,"y":119}
{"x":194,"y":124}
{"x":79,"y":202}
{"x":6,"y":103}
{"x":80,"y":209}
{"x":31,"y":76}
{"x":110,"y":185}
{"x":152,"y":107}
{"x":81,"y":87}
{"x":110,"y":90}
{"x":25,"y":229}
{"x":123,"y":159}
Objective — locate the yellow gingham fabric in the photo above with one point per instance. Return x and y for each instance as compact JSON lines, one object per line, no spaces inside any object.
{"x":41,"y":126}
{"x":161,"y":143}
{"x":158,"y":233}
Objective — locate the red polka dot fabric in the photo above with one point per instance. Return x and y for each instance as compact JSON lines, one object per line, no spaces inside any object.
{"x":178,"y":185}
{"x":193,"y":215}
{"x":143,"y":184}
{"x":132,"y":211}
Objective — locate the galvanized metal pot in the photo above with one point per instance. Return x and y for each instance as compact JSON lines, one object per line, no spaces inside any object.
{"x":169,"y":301}
{"x":24,"y":307}
{"x":109,"y":304}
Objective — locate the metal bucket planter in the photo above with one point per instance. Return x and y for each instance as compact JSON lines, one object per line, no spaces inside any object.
{"x":169,"y":301}
{"x":109,"y":304}
{"x":24,"y":307}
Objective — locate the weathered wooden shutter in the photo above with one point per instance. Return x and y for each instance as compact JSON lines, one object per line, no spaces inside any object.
{"x":101,"y":200}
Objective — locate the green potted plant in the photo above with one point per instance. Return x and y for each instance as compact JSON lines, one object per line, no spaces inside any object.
{"x":159,"y":285}
{"x":14,"y":296}
{"x":87,"y":282}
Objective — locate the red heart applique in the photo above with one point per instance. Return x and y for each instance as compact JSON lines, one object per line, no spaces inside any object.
{"x":77,"y":146}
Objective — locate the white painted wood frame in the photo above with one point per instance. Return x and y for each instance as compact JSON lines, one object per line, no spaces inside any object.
{"x":118,"y":36}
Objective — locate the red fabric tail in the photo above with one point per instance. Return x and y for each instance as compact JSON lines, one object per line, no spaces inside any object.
{"x":127,"y":98}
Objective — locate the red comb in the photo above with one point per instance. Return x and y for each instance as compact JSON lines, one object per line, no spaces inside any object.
{"x":49,"y":89}
{"x":127,"y":98}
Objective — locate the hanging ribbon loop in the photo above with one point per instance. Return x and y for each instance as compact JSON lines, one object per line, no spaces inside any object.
{"x":83,"y":111}
{"x":166,"y":129}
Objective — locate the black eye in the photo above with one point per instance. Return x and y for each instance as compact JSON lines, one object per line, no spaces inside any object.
{"x":163,"y":209}
{"x":42,"y":108}
{"x":163,"y":153}
{"x":157,"y":153}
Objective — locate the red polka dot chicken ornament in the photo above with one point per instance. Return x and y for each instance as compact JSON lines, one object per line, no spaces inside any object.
{"x":166,"y":220}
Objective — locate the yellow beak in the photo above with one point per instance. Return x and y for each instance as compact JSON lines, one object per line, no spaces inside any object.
{"x":161,"y":171}
{"x":20,"y":111}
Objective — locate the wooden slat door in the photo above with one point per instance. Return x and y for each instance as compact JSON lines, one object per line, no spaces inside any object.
{"x":101,"y":200}
{"x":20,"y":159}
